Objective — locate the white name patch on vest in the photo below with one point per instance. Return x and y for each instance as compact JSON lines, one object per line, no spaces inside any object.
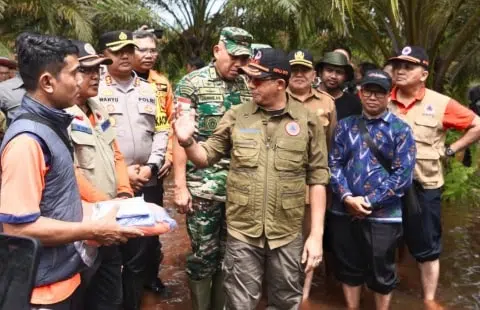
{"x":292,"y":128}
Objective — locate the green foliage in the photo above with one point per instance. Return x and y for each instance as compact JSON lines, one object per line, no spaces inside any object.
{"x":81,"y":19}
{"x":462,"y":184}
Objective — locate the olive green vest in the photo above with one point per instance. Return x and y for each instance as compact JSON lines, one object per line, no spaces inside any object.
{"x":94,"y":154}
{"x":267,"y":176}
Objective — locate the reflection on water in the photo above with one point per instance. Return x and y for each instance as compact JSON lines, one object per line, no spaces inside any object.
{"x":459,"y":286}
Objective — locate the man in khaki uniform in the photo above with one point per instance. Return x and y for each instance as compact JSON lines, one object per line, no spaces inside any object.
{"x":132,"y":106}
{"x":101,"y":175}
{"x":430,"y":114}
{"x":300,"y":88}
{"x":277,"y":147}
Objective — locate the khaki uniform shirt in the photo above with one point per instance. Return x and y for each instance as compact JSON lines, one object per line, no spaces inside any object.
{"x":323,"y":105}
{"x":273,"y":158}
{"x":94,"y":153}
{"x":132,"y":111}
{"x":11,"y":94}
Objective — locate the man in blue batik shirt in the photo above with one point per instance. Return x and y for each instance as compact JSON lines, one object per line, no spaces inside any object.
{"x":366,"y":213}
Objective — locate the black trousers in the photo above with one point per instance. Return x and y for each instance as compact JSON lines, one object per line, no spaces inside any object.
{"x":103,"y":282}
{"x":364,"y":252}
{"x":141,"y":257}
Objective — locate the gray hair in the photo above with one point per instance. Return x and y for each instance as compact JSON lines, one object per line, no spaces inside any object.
{"x":142,"y":34}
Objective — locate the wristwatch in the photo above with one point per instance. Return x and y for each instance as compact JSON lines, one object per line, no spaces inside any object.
{"x":449,"y":152}
{"x":153,"y":169}
{"x":187,"y":143}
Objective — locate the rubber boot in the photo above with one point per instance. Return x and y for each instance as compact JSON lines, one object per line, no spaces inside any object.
{"x":218,"y":292}
{"x":200,"y":292}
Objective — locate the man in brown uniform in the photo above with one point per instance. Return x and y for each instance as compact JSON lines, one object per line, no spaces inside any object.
{"x":300,"y":88}
{"x":430,"y":115}
{"x":277,"y":147}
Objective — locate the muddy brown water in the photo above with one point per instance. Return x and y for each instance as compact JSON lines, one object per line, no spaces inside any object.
{"x":459,"y":286}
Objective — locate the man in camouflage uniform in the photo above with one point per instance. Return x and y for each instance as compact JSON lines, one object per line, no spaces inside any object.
{"x":211,"y":90}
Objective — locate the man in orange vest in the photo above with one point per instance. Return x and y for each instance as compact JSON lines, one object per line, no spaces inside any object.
{"x":146,"y":54}
{"x":430,"y":114}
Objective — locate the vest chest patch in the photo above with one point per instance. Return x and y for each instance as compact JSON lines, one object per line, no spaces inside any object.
{"x":429,"y":110}
{"x":292,"y":128}
{"x":249,"y":130}
{"x":105,"y":125}
{"x":82,"y":128}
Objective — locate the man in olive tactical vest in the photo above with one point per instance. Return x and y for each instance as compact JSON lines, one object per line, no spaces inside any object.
{"x":277,"y":148}
{"x":430,"y":114}
{"x":211,"y":90}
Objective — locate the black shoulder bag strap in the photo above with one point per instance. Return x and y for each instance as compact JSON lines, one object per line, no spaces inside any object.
{"x":410,"y":202}
{"x":386,"y":164}
{"x":41,"y":120}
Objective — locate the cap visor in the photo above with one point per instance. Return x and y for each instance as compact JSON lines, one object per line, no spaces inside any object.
{"x":95,"y":61}
{"x":304,"y":63}
{"x":255,"y":70}
{"x":382,"y":85}
{"x":407,"y":59}
{"x":120,"y":45}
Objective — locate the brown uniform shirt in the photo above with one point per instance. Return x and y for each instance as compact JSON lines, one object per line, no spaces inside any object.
{"x":323,"y":105}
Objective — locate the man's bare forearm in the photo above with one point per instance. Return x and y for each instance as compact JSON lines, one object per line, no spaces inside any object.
{"x":197,"y":155}
{"x":179,"y":164}
{"x":318,"y":202}
{"x":52,"y":232}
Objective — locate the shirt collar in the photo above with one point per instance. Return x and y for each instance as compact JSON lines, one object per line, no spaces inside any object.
{"x":288,"y":109}
{"x":385,"y":116}
{"x":313,"y":93}
{"x":418,"y":97}
{"x":110,"y":81}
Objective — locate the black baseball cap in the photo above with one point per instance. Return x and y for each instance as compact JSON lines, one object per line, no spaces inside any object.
{"x":268,"y":62}
{"x":116,"y":40}
{"x":413,"y":54}
{"x":88,"y":57}
{"x":301,"y":57}
{"x":379,"y":78}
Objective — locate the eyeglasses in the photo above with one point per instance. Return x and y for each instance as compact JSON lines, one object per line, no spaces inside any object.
{"x":89,"y":70}
{"x":152,"y":51}
{"x":5,"y":73}
{"x":369,"y":93}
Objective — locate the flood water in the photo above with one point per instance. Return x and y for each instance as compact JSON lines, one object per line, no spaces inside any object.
{"x":459,"y":286}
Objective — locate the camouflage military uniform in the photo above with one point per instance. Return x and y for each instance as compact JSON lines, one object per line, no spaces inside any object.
{"x":211,"y":97}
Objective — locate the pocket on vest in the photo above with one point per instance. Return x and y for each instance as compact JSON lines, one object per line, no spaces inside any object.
{"x":290,"y":155}
{"x":84,"y":145}
{"x":425,"y":130}
{"x":428,"y":166}
{"x":290,"y":204}
{"x":245,"y":154}
{"x":238,"y":209}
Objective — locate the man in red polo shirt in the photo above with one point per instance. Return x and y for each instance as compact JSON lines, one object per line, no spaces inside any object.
{"x":430,"y":114}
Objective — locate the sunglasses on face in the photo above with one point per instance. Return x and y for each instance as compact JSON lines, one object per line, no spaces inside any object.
{"x":89,"y":70}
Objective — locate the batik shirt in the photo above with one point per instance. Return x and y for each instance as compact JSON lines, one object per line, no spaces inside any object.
{"x":356,"y":172}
